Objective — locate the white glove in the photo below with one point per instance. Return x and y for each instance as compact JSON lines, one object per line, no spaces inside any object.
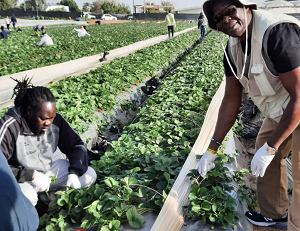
{"x":260,"y":162}
{"x":73,"y":181}
{"x":41,"y":181}
{"x":206,"y":163}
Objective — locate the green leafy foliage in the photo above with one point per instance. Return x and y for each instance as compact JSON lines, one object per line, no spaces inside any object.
{"x":141,"y":167}
{"x":210,"y":201}
{"x":99,"y":89}
{"x":22,"y":54}
{"x":210,"y":197}
{"x":135,"y":220}
{"x":238,"y":129}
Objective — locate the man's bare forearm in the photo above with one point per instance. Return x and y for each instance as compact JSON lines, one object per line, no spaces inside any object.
{"x":226,"y":118}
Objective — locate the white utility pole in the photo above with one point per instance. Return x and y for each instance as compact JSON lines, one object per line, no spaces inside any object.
{"x":144,"y":7}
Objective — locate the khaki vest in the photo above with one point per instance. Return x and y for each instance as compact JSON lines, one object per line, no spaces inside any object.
{"x":265,"y":88}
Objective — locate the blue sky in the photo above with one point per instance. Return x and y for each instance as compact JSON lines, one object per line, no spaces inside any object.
{"x":177,"y":3}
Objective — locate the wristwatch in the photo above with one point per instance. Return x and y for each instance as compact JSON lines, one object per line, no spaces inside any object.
{"x":270,"y":150}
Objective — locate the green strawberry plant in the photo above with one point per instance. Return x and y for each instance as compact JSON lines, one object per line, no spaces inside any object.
{"x":210,"y":197}
{"x":22,"y":54}
{"x":141,"y":167}
{"x":79,"y":97}
{"x":98,"y":89}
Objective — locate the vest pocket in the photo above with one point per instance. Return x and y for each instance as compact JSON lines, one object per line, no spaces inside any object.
{"x":276,"y":114}
{"x":261,"y":80}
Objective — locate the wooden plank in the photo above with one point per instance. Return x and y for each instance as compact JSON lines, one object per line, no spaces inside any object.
{"x":170,"y":217}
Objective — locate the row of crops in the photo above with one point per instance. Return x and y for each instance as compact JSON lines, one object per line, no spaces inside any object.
{"x":79,"y":97}
{"x":22,"y":54}
{"x":137,"y":173}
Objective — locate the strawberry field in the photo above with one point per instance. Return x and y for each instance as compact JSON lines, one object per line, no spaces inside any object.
{"x":138,"y":171}
{"x":98,"y":90}
{"x":22,"y":54}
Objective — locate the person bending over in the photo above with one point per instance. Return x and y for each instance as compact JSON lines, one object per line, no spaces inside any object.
{"x":82,"y":32}
{"x":31,"y":132}
{"x":46,"y":40}
{"x":262,"y":58}
{"x":39,"y":29}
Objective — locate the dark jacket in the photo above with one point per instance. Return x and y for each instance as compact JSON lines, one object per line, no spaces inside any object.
{"x":27,"y":152}
{"x":13,"y":19}
{"x":200,"y":20}
{"x":17,"y":212}
{"x":4,"y":34}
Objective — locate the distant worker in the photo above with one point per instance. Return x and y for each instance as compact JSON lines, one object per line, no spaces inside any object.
{"x":19,"y":29}
{"x":46,"y":40}
{"x":82,"y":32}
{"x":98,"y":22}
{"x":4,"y":33}
{"x":202,"y":23}
{"x":39,"y":29}
{"x":170,"y":21}
{"x":84,"y":27}
{"x":14,"y":21}
{"x":7,"y":21}
{"x":17,"y":211}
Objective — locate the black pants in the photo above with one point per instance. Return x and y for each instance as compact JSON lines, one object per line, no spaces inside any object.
{"x":7,"y":25}
{"x":171,"y":29}
{"x":14,"y":25}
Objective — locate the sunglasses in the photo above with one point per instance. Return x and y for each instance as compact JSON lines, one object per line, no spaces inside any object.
{"x":228,"y":11}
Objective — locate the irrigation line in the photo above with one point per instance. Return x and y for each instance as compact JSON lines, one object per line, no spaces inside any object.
{"x":172,"y":67}
{"x":176,"y":64}
{"x":163,"y":76}
{"x":190,"y":50}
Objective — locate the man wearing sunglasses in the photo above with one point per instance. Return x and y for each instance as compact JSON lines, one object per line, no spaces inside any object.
{"x":270,"y":44}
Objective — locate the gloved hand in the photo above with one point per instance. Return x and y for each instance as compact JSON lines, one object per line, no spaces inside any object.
{"x":206,"y":163}
{"x":73,"y":181}
{"x":260,"y":162}
{"x":41,"y":181}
